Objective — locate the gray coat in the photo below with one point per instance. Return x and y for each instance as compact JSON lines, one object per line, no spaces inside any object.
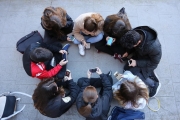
{"x":148,"y":52}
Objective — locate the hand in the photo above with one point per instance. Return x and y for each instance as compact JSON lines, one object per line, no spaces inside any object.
{"x":68,"y":39}
{"x":92,"y":34}
{"x":69,"y":78}
{"x":84,"y":43}
{"x":99,"y":72}
{"x":89,"y":74}
{"x":63,"y":51}
{"x":114,"y":39}
{"x":107,"y":38}
{"x":63,"y":62}
{"x":133,"y":63}
{"x":125,"y":54}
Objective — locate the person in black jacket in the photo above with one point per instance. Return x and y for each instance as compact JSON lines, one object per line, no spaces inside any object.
{"x":89,"y":103}
{"x":143,"y":40}
{"x":50,"y":99}
{"x":115,"y":26}
{"x":57,"y":24}
{"x":37,"y":60}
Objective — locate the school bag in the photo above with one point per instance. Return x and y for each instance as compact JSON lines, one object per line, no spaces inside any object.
{"x":8,"y":103}
{"x":119,"y":113}
{"x":25,"y":41}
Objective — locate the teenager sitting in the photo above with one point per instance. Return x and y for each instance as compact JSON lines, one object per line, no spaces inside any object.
{"x":37,"y":60}
{"x":131,"y":92}
{"x":57,"y":24}
{"x":50,"y":99}
{"x":88,"y":27}
{"x":115,"y":26}
{"x":89,"y":103}
{"x":144,"y":42}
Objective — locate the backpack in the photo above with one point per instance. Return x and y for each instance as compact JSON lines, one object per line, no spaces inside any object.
{"x":8,"y":103}
{"x":119,"y":113}
{"x":25,"y":41}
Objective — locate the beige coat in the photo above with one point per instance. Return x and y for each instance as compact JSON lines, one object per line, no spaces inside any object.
{"x":79,"y":26}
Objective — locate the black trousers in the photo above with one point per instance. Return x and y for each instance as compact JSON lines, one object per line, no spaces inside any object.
{"x":111,"y":50}
{"x":96,"y":82}
{"x":58,"y":58}
{"x":137,"y":71}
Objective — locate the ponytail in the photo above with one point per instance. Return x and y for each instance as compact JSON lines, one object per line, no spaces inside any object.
{"x":85,"y":110}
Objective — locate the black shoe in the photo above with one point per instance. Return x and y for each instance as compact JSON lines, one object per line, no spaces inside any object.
{"x":154,"y":76}
{"x":154,"y":90}
{"x":109,"y":73}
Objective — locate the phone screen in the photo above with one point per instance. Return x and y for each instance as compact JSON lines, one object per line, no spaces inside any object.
{"x":87,"y":45}
{"x":109,"y":42}
{"x":72,"y":38}
{"x":93,"y":70}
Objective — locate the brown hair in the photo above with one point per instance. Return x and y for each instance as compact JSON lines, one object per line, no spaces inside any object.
{"x":130,"y":91}
{"x":89,"y":97}
{"x":42,"y":96}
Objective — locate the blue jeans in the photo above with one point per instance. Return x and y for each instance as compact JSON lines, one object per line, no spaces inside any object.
{"x":90,"y":39}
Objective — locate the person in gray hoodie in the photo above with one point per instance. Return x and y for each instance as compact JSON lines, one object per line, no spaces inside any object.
{"x":90,"y":104}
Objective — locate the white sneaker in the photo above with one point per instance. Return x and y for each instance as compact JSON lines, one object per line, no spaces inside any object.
{"x":81,"y":49}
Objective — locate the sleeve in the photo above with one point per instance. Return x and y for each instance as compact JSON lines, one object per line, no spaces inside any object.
{"x":50,"y":73}
{"x":107,"y":94}
{"x":76,"y":31}
{"x":69,"y":21}
{"x":74,"y":90}
{"x":154,"y":58}
{"x":129,"y":76}
{"x":63,"y":38}
{"x":85,"y":83}
{"x":50,"y":47}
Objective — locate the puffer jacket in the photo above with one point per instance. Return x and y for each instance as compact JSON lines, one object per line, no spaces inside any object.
{"x":102,"y":105}
{"x":148,"y":52}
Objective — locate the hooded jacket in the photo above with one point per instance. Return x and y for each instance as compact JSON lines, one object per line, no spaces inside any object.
{"x":102,"y":104}
{"x":34,"y":69}
{"x":148,"y":52}
{"x":59,"y":105}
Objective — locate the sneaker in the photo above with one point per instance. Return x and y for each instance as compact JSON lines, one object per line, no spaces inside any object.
{"x":154,"y":90}
{"x":118,"y":56}
{"x":65,"y":47}
{"x":109,"y":73}
{"x":154,"y":76}
{"x":81,"y":49}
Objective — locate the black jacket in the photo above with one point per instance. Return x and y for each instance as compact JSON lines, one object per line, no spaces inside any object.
{"x":56,"y":106}
{"x":148,"y":52}
{"x":26,"y":56}
{"x":102,"y":105}
{"x":66,"y":30}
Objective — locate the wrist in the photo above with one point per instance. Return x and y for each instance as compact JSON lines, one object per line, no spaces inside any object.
{"x":82,"y":40}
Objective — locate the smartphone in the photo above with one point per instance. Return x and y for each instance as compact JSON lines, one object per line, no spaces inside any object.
{"x":65,"y":56}
{"x":72,"y":38}
{"x":88,"y":45}
{"x":93,"y":70}
{"x":67,"y":73}
{"x":110,"y":41}
{"x":129,"y":62}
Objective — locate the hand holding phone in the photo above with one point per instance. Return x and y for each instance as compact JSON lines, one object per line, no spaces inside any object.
{"x":93,"y":70}
{"x":110,"y":41}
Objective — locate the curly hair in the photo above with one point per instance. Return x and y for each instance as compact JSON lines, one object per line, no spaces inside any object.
{"x":130,"y":39}
{"x":131,"y":91}
{"x":42,"y":96}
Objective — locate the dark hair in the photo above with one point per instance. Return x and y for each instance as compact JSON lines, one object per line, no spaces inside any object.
{"x":90,"y":24}
{"x":89,"y":97}
{"x":41,"y":54}
{"x":130,"y":91}
{"x":130,"y":39}
{"x":45,"y":91}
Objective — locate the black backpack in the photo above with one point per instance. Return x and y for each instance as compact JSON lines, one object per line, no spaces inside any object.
{"x":25,"y":41}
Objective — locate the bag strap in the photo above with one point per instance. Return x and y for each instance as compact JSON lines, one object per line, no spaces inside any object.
{"x":15,"y":113}
{"x":27,"y":37}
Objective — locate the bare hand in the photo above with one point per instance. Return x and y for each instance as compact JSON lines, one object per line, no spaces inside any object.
{"x":63,"y":51}
{"x":125,"y":54}
{"x":89,"y":74}
{"x":99,"y":72}
{"x":84,"y":43}
{"x":107,"y":38}
{"x":63,"y":62}
{"x":114,"y":39}
{"x":68,"y":39}
{"x":133,"y":63}
{"x":69,"y":77}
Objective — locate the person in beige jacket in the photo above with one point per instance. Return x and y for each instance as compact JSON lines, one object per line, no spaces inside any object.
{"x":88,"y":27}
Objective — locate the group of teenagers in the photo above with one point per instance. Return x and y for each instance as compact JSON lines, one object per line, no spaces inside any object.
{"x":47,"y":61}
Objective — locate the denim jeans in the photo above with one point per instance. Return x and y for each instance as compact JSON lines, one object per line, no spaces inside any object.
{"x":90,"y":39}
